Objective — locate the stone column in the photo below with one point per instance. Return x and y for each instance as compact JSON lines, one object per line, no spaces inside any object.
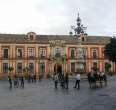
{"x":36,"y":61}
{"x":100,"y":66}
{"x":25,"y":56}
{"x":88,"y":52}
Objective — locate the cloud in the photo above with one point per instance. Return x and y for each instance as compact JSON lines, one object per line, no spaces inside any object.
{"x":56,"y":16}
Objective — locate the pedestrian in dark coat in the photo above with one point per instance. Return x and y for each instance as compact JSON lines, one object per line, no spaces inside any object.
{"x":29,"y":78}
{"x":66,"y":80}
{"x":62,"y":81}
{"x":22,"y":81}
{"x":34,"y":78}
{"x":56,"y":80}
{"x":16,"y":83}
{"x":10,"y":81}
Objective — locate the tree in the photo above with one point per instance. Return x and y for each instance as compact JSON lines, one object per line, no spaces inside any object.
{"x":26,"y":71}
{"x":107,"y":67}
{"x":110,"y":51}
{"x":10,"y":69}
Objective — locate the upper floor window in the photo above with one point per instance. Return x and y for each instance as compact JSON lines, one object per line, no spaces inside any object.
{"x":19,"y":53}
{"x":57,"y":52}
{"x":42,"y":52}
{"x":5,"y":53}
{"x":94,"y":53}
{"x":31,"y":52}
{"x":72,"y":53}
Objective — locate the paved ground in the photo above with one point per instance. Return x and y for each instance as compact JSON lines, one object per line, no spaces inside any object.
{"x":43,"y":96}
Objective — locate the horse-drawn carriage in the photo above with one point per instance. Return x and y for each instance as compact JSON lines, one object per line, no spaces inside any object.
{"x":97,"y":80}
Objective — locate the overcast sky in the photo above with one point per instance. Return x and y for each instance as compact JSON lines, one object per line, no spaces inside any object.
{"x":56,"y":16}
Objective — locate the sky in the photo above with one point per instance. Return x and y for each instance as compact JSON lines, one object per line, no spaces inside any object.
{"x":55,"y":17}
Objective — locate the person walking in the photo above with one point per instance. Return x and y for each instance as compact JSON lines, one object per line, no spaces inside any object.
{"x":66,"y":80}
{"x":22,"y":81}
{"x":29,"y":78}
{"x":34,"y":78}
{"x":62,"y":81}
{"x":15,"y":81}
{"x":56,"y":81}
{"x":10,"y":81}
{"x":78,"y":78}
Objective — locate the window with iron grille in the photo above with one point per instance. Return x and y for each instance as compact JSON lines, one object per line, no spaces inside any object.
{"x":31,"y":52}
{"x":42,"y":52}
{"x":57,"y":52}
{"x":5,"y":53}
{"x":94,"y":52}
{"x":72,"y":53}
{"x":19,"y":53}
{"x":5,"y":67}
{"x":19,"y":67}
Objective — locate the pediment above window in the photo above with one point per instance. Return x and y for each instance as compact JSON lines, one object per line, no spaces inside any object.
{"x":31,"y":36}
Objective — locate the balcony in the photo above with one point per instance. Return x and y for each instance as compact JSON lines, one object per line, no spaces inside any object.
{"x":19,"y":57}
{"x":5,"y":57}
{"x":42,"y":57}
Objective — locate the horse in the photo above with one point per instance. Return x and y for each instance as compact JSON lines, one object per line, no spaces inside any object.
{"x":95,"y":78}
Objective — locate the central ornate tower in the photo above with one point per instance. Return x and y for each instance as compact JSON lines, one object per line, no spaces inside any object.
{"x":79,"y":33}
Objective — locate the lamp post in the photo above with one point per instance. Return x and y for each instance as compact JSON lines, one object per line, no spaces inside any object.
{"x":79,"y":30}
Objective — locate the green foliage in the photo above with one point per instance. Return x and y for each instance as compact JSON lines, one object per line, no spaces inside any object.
{"x":26,"y":69}
{"x":10,"y":69}
{"x":107,"y":67}
{"x":110,"y":50}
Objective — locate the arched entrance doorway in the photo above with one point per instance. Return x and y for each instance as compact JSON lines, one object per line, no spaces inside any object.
{"x":58,"y":68}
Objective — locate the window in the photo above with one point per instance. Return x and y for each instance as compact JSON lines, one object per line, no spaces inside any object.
{"x":94,"y":52}
{"x":72,"y":53}
{"x":19,"y":68}
{"x":83,"y":39}
{"x":57,"y":52}
{"x":31,"y":52}
{"x":31,"y":37}
{"x":5,"y":53}
{"x":5,"y":67}
{"x":42,"y":52}
{"x":42,"y":67}
{"x":19,"y":53}
{"x":31,"y":67}
{"x":72,"y":67}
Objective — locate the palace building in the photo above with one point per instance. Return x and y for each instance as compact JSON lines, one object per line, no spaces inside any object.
{"x":47,"y":54}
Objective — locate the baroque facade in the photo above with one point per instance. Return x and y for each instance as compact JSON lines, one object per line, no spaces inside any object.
{"x":46,"y":54}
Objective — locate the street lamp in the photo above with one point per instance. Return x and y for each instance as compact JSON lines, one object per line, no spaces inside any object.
{"x":79,"y":30}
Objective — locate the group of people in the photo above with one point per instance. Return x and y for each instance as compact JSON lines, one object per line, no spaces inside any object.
{"x":63,"y":80}
{"x":96,"y":79}
{"x":60,"y":79}
{"x":16,"y":80}
{"x":19,"y":81}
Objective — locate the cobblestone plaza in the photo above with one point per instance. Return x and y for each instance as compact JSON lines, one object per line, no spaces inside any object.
{"x":43,"y":96}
